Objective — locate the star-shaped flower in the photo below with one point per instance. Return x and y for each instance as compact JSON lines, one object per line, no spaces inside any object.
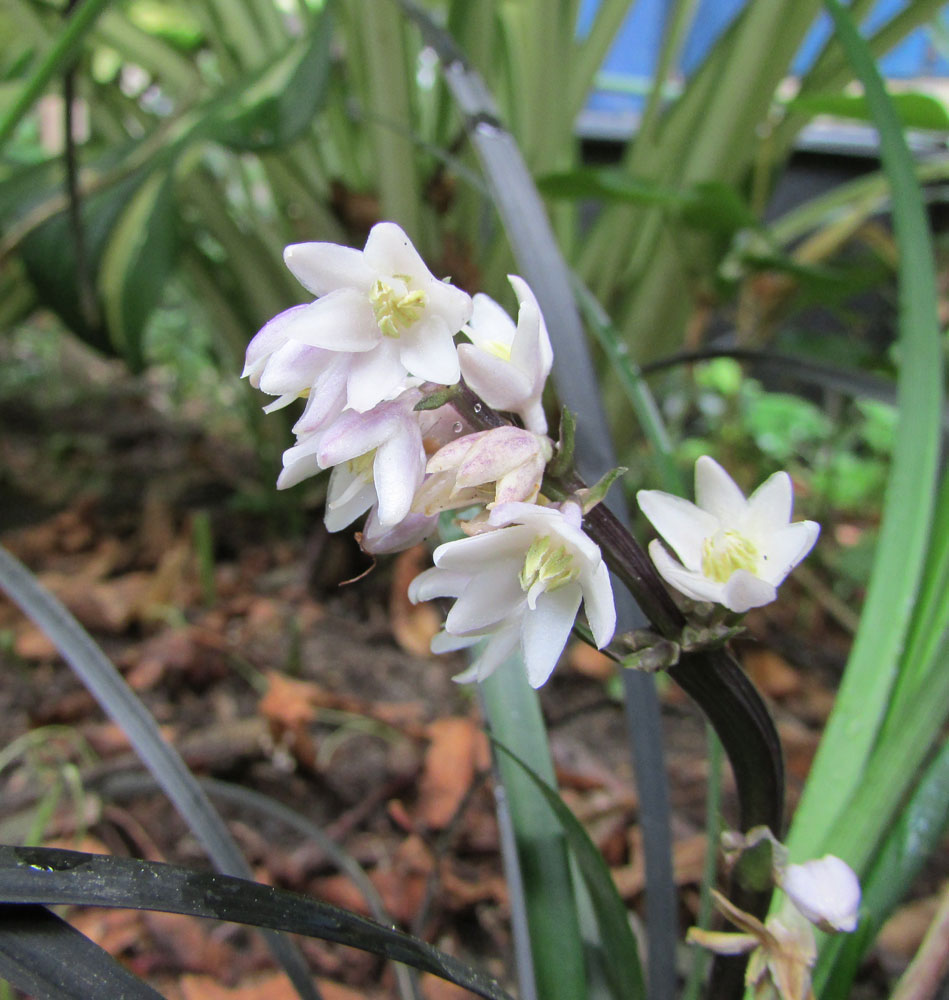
{"x":522,"y":583}
{"x":733,"y":551}
{"x":383,"y":306}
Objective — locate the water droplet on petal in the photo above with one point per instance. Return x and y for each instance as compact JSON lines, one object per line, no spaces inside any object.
{"x":457,"y":427}
{"x":477,"y":407}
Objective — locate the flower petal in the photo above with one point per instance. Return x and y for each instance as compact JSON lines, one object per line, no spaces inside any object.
{"x":490,"y":598}
{"x":769,"y":507}
{"x":497,"y":649}
{"x":373,"y":376}
{"x":497,"y":382}
{"x":683,"y":525}
{"x":743,"y":591}
{"x":340,"y":321}
{"x":437,"y":582}
{"x":598,"y":604}
{"x":397,"y":471}
{"x":546,"y":630}
{"x":428,"y":351}
{"x":785,"y":548}
{"x":717,"y":493}
{"x":323,"y":267}
{"x":692,"y":584}
{"x":480,"y":551}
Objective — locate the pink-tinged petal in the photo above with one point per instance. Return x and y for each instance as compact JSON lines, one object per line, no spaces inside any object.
{"x":497,"y":382}
{"x":744,"y":591}
{"x":683,"y":525}
{"x":327,"y":397}
{"x":293,"y":367}
{"x":397,"y":471}
{"x":353,"y":434}
{"x":480,"y":551}
{"x":498,"y":453}
{"x":598,"y":604}
{"x":497,"y":649}
{"x":271,"y":337}
{"x":488,"y":599}
{"x":784,"y":548}
{"x":296,"y":470}
{"x":450,"y":455}
{"x":693,"y":585}
{"x":520,"y":484}
{"x":437,"y":582}
{"x":374,"y":376}
{"x":428,"y":351}
{"x":324,"y":267}
{"x":411,"y":530}
{"x":281,"y":402}
{"x":769,"y":507}
{"x":390,"y":252}
{"x":717,"y":493}
{"x":826,"y":891}
{"x":340,"y":321}
{"x":546,"y":630}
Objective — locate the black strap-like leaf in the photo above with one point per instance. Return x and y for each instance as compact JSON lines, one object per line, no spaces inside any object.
{"x":50,"y":876}
{"x":44,"y":956}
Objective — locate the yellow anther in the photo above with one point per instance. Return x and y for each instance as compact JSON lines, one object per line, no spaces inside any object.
{"x":394,"y":312}
{"x":726,"y":551}
{"x":551,"y":567}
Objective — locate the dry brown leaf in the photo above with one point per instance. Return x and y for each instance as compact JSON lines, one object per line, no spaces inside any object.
{"x":902,"y":934}
{"x":435,"y":988}
{"x":457,"y":749}
{"x":33,"y":645}
{"x":589,"y":661}
{"x":289,"y":703}
{"x":771,"y":673}
{"x":688,"y":861}
{"x":413,"y":625}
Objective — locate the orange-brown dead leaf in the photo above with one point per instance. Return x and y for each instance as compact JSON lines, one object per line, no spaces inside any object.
{"x":457,"y":749}
{"x":275,"y":986}
{"x":771,"y":673}
{"x":413,"y":625}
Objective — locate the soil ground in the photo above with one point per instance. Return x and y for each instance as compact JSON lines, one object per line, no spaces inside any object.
{"x":269,"y":672}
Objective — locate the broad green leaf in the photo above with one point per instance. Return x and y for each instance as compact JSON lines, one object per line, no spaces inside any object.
{"x":279,"y":105}
{"x":137,"y":261}
{"x":915,"y":110}
{"x":49,"y":253}
{"x":620,"y":953}
{"x":170,"y":21}
{"x":710,"y":205}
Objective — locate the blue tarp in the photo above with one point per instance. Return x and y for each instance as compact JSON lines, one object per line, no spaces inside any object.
{"x":632,"y":60}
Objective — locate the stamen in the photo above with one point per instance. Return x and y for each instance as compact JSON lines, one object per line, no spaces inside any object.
{"x":393,"y":311}
{"x":727,"y":551}
{"x":546,"y":568}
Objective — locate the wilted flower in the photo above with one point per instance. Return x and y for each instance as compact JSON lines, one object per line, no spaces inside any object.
{"x":491,"y":467}
{"x":522,"y":583}
{"x":734,"y":551}
{"x":507,"y":365}
{"x":825,"y":890}
{"x":782,"y":949}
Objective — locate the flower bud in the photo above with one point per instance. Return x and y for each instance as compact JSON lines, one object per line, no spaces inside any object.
{"x":826,"y":891}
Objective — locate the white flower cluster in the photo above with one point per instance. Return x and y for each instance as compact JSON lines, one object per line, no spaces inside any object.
{"x":379,"y":336}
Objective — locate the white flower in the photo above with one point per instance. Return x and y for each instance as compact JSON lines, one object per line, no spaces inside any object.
{"x":381,"y":306}
{"x":826,"y":891}
{"x":376,"y":457}
{"x":522,"y":583}
{"x":411,"y":530}
{"x":505,"y":365}
{"x":491,"y":467}
{"x":734,"y":551}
